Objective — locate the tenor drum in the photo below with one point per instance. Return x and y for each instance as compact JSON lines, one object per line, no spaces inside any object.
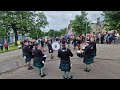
{"x":55,"y":46}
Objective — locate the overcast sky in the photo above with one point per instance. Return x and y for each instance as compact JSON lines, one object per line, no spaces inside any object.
{"x":61,"y":19}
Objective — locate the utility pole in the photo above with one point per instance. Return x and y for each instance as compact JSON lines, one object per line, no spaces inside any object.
{"x":86,"y":30}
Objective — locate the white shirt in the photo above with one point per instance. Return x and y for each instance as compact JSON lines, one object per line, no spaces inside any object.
{"x":117,"y":35}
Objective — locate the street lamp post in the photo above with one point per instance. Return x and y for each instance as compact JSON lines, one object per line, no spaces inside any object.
{"x":86,"y":31}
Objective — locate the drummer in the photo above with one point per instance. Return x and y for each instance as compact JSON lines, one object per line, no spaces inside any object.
{"x":88,"y":56}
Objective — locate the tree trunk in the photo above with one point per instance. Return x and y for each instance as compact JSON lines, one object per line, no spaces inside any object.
{"x":15,"y":32}
{"x":16,"y":37}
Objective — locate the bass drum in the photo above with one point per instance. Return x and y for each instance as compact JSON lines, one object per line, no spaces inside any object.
{"x":55,"y":46}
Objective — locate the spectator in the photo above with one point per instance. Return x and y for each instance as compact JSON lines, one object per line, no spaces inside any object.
{"x":102,"y":38}
{"x":1,"y":46}
{"x":116,"y":38}
{"x":6,"y":45}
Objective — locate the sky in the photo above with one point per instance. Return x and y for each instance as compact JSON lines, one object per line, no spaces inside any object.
{"x":61,"y":19}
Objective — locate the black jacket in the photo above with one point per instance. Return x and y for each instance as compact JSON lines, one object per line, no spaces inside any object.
{"x":68,"y":41}
{"x":27,"y":51}
{"x":38,"y":55}
{"x":49,"y":46}
{"x":94,"y":46}
{"x":74,"y":41}
{"x":64,"y":54}
{"x":88,"y":52}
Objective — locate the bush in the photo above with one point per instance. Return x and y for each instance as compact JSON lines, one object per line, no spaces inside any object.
{"x":119,"y":38}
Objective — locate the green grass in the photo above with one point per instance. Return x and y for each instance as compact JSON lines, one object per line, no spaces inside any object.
{"x":119,"y":38}
{"x":11,"y":48}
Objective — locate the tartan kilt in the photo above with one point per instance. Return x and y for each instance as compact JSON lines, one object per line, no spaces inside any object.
{"x":38,"y":63}
{"x":94,"y":54}
{"x":65,"y":67}
{"x":88,"y":60}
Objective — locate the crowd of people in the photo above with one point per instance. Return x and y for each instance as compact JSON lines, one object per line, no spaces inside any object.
{"x":107,"y":38}
{"x":34,"y":50}
{"x":85,"y":46}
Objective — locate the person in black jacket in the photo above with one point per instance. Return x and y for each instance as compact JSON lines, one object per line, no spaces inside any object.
{"x":31,"y":45}
{"x":74,"y":43}
{"x":88,"y":56}
{"x":50,"y":48}
{"x":38,"y":60}
{"x":27,"y":54}
{"x":65,"y":65}
{"x":68,"y":42}
{"x":93,"y":43}
{"x":102,"y":38}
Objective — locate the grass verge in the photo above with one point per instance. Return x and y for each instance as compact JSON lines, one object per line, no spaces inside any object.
{"x":11,"y":48}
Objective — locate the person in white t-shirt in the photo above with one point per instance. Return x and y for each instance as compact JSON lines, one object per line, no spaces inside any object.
{"x":116,"y":38}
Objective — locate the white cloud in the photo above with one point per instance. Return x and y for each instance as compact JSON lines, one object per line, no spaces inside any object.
{"x":60,"y":19}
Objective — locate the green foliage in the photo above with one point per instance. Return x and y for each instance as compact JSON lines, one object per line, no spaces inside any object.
{"x":23,"y":21}
{"x":112,"y":19}
{"x":3,"y":32}
{"x":119,"y":38}
{"x":80,"y":23}
{"x":63,"y":31}
{"x":51,"y":33}
{"x":55,"y":33}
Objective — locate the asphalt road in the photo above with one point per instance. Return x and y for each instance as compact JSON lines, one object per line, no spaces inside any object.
{"x":106,"y":66}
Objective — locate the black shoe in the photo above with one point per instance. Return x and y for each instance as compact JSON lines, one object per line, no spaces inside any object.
{"x":52,"y":57}
{"x":87,"y":70}
{"x":70,"y":77}
{"x":64,"y":77}
{"x":43,"y":75}
{"x":30,"y":68}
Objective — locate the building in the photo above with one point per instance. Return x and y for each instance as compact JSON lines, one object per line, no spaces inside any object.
{"x":11,"y":37}
{"x":98,"y":27}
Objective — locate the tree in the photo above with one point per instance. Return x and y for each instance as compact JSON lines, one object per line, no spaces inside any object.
{"x":3,"y":32}
{"x":22,"y":21}
{"x":51,"y":33}
{"x":80,"y":22}
{"x":63,"y":31}
{"x":112,"y":19}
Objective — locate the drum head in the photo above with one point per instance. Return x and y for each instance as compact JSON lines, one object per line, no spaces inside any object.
{"x":55,"y":46}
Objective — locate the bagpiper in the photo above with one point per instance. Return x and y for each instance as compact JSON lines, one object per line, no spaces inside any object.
{"x":27,"y":54}
{"x":39,"y":60}
{"x":65,"y":64}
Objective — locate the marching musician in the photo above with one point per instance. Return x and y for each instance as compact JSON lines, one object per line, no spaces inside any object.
{"x":88,"y":56}
{"x":65,"y":65}
{"x":68,"y":42}
{"x":27,"y":54}
{"x":50,"y":48}
{"x":93,"y":43}
{"x":74,"y":42}
{"x":38,"y":59}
